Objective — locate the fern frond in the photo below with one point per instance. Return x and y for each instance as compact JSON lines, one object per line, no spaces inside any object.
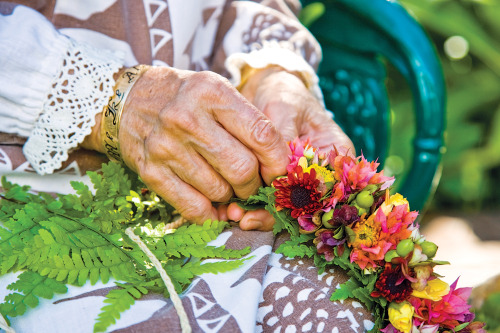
{"x":296,"y":248}
{"x":183,"y":274}
{"x":204,"y":251}
{"x":31,"y":286}
{"x":195,"y":234}
{"x":80,"y":237}
{"x":119,"y":300}
{"x":19,"y":231}
{"x":216,"y":267}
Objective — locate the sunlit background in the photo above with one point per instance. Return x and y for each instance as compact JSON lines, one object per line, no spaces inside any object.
{"x":463,"y":215}
{"x":466,"y":34}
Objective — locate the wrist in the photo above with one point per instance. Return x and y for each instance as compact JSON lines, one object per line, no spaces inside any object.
{"x":112,"y":113}
{"x":255,"y":78}
{"x":93,"y":141}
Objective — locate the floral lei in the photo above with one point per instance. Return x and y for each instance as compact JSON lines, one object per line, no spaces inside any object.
{"x":338,"y":210}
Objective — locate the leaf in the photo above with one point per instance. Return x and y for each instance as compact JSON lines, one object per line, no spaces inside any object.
{"x":204,"y":251}
{"x":461,"y":326}
{"x":310,"y":13}
{"x":195,"y":234}
{"x":119,"y":300}
{"x":345,"y":291}
{"x":296,"y":247}
{"x":76,"y":238}
{"x":30,"y":286}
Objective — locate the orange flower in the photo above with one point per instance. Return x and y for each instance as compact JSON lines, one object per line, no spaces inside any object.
{"x":396,"y":225}
{"x":367,"y":247}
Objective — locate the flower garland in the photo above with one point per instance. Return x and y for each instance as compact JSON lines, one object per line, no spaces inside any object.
{"x":338,"y":210}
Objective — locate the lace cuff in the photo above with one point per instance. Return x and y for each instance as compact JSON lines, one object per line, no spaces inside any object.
{"x":79,"y":92}
{"x":273,"y":55}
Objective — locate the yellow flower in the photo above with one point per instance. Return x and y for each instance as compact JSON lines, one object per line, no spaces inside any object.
{"x":394,"y":200}
{"x":435,"y":290}
{"x":400,"y":316}
{"x":321,"y":173}
{"x":303,"y":163}
{"x":365,"y":233}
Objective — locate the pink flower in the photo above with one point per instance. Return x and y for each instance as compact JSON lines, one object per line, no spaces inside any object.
{"x":355,"y":174}
{"x":297,"y":147}
{"x":415,"y":329}
{"x":425,"y":329}
{"x":307,"y":224}
{"x":449,"y":312}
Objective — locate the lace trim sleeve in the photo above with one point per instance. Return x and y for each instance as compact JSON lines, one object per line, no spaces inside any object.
{"x":79,"y":92}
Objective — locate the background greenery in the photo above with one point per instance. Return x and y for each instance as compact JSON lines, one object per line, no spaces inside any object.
{"x":466,"y":34}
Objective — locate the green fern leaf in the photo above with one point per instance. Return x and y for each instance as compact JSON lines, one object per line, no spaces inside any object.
{"x":345,"y":291}
{"x":119,"y":300}
{"x":183,"y":274}
{"x":80,"y":237}
{"x":32,"y":286}
{"x":203,"y":251}
{"x":194,"y":234}
{"x":296,"y":248}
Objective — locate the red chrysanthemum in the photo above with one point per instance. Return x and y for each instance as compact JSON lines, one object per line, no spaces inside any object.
{"x":299,"y":192}
{"x":392,"y":285}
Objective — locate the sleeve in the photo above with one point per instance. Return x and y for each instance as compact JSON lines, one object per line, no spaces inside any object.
{"x":51,"y":87}
{"x":257,"y":35}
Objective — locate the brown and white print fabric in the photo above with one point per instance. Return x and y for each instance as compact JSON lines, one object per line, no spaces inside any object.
{"x":269,"y":293}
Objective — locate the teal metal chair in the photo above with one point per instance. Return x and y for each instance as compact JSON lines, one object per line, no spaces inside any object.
{"x":355,"y":36}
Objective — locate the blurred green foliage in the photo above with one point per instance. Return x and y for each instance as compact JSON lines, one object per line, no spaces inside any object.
{"x":489,"y":314}
{"x":311,"y":13}
{"x":466,"y":34}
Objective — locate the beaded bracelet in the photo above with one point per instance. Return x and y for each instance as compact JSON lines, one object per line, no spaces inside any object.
{"x":111,"y":115}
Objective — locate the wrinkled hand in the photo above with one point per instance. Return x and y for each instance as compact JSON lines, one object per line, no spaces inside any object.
{"x":296,"y":113}
{"x":194,"y":140}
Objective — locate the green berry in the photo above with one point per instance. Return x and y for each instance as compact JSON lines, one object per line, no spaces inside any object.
{"x":326,"y":218}
{"x":429,"y":249}
{"x":405,"y":247}
{"x":390,"y":255}
{"x":364,"y":199}
{"x":371,"y":188}
{"x":361,"y":210}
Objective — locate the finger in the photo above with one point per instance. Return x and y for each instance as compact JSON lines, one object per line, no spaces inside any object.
{"x":193,"y":169}
{"x":235,"y":212}
{"x":284,"y":120}
{"x":222,"y":212}
{"x":189,"y":202}
{"x":259,"y":219}
{"x":254,"y":130}
{"x":325,"y":133}
{"x":231,"y":159}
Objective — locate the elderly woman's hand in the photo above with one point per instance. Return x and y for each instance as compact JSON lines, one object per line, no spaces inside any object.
{"x":194,"y":140}
{"x":295,"y":112}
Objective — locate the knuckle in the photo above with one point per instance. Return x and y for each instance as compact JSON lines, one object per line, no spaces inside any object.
{"x":244,"y":171}
{"x":175,"y":118}
{"x":220,"y":192}
{"x":208,"y":82}
{"x":148,"y":175}
{"x":264,"y":133}
{"x":194,"y":211}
